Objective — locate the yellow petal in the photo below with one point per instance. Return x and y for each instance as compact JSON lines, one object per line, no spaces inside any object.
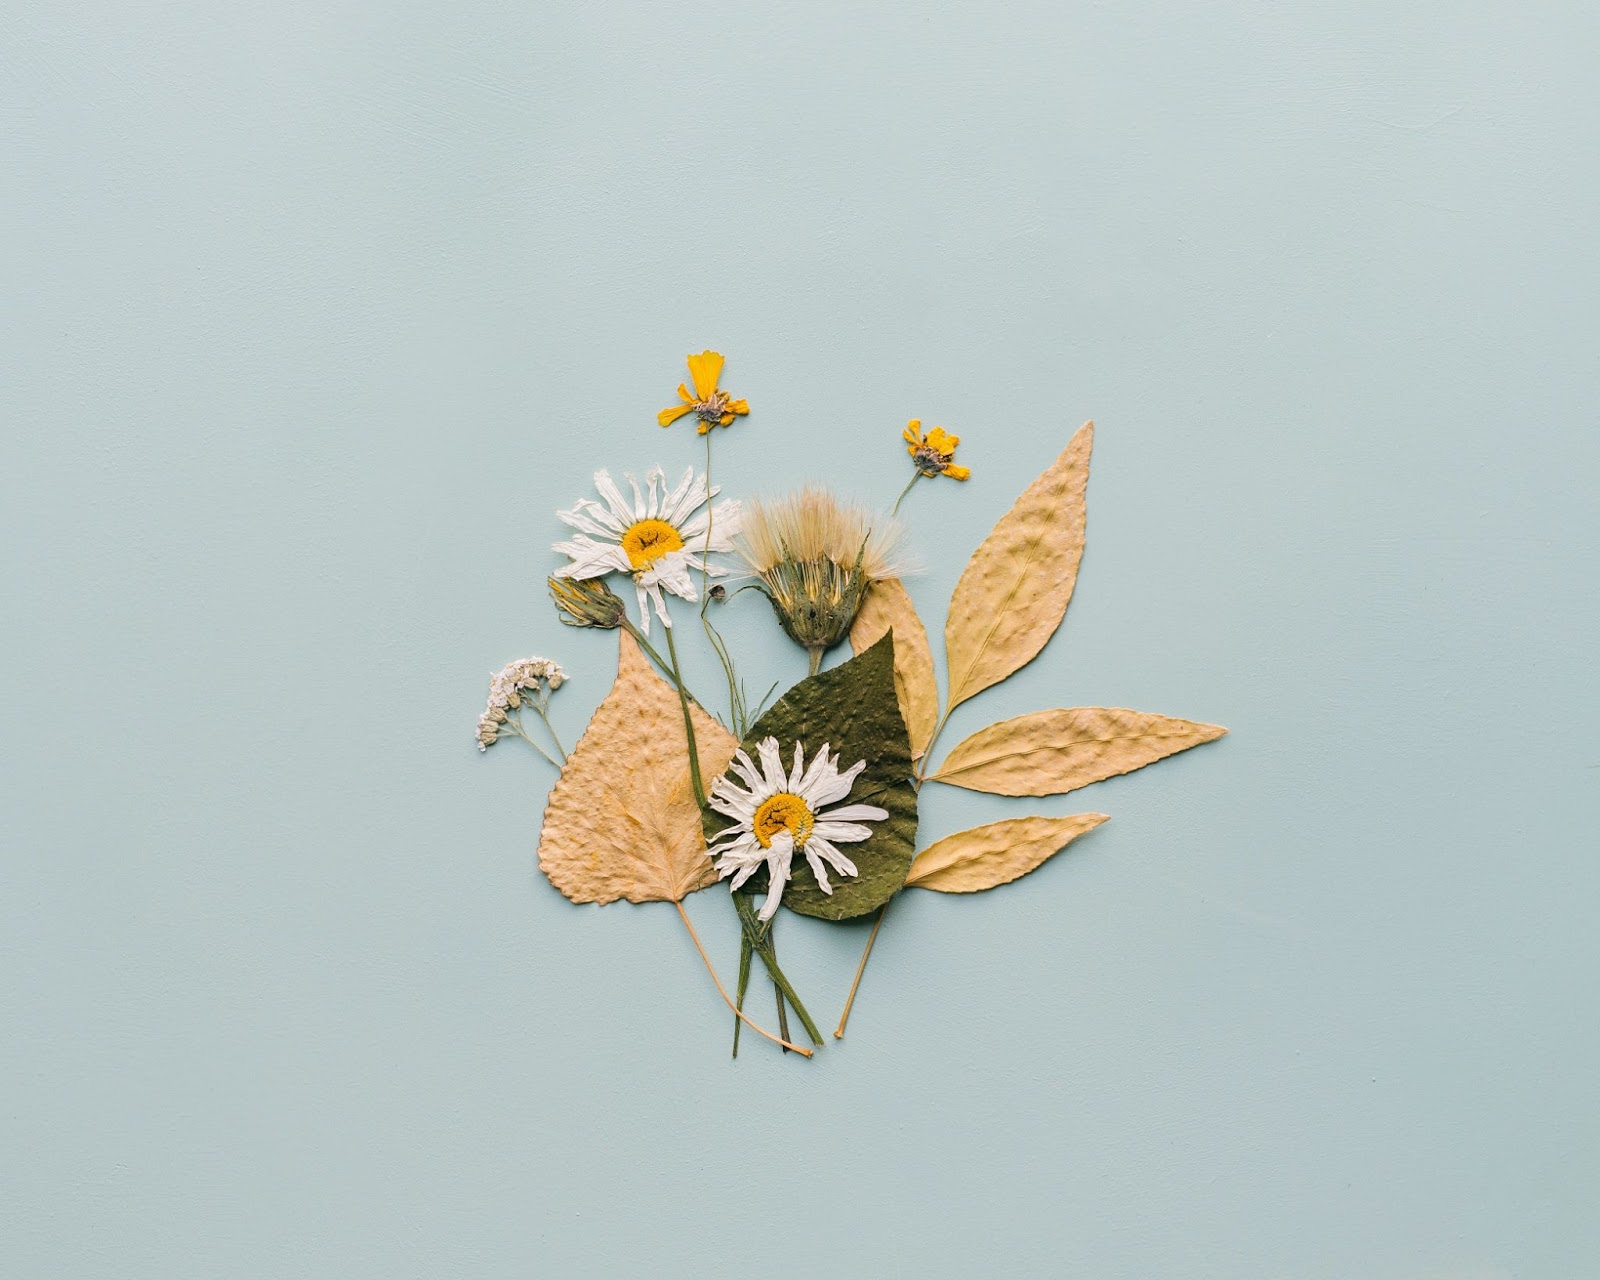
{"x":668,"y":416}
{"x":941,"y":441}
{"x":912,"y":436}
{"x":955,"y":472}
{"x":725,"y":419}
{"x":704,"y":370}
{"x":740,"y":407}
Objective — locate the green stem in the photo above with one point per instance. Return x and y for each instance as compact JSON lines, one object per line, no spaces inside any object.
{"x":895,"y":510}
{"x":735,"y":702}
{"x":643,"y":642}
{"x":688,"y":724}
{"x":763,"y":948}
{"x":745,"y":952}
{"x":816,"y":661}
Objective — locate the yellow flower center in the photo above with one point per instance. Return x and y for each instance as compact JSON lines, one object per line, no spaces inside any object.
{"x":783,"y":812}
{"x":648,"y":540}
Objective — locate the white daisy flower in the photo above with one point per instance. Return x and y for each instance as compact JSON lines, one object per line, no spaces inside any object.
{"x":781,"y":815}
{"x":656,"y":538}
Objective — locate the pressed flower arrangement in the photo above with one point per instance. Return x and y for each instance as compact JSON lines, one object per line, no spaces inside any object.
{"x":811,"y":805}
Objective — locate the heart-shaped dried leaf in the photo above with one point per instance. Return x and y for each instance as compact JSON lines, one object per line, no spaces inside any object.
{"x":997,"y":853}
{"x":1014,"y":591}
{"x":887,"y":607}
{"x":622,"y":821}
{"x":1045,"y":753}
{"x":853,"y":709}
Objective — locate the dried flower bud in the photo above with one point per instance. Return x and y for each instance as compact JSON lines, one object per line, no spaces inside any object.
{"x":718,"y":592}
{"x":587,"y":602}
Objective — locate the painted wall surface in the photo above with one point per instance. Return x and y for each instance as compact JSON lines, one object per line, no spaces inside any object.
{"x":313,"y":314}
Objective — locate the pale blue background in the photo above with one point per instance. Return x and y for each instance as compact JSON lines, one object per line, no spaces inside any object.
{"x":314,"y":312}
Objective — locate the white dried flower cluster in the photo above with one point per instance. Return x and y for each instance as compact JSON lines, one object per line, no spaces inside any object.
{"x":506,"y":691}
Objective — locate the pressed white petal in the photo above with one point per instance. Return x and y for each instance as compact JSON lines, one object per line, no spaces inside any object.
{"x":682,"y":500}
{"x":745,"y":767}
{"x":614,"y":499}
{"x":821,"y":767}
{"x":835,"y":788}
{"x":729,"y":808}
{"x":580,"y":519}
{"x":742,"y":846}
{"x":672,"y":572}
{"x":656,"y":479}
{"x":746,"y":870}
{"x":778,"y":859}
{"x":640,"y":508}
{"x":601,"y":515}
{"x":798,"y":770}
{"x":661,"y":606}
{"x":816,"y":870}
{"x":772,"y":765}
{"x":836,"y":860}
{"x":854,"y":813}
{"x":644,"y":607}
{"x":589,"y":558}
{"x":849,"y":832}
{"x":729,"y":790}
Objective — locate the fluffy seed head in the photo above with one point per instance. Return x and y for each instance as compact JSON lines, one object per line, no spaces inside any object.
{"x":815,"y":556}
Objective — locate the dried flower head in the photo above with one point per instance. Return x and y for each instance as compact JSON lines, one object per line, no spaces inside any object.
{"x":933,"y":454}
{"x":657,"y":537}
{"x":710,"y":405}
{"x":513,"y":684}
{"x":814,"y":557}
{"x":778,"y":814}
{"x":587,"y":602}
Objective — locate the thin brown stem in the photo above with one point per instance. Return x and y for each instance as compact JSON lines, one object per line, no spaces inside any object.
{"x":838,"y":1032}
{"x":738,"y":1013}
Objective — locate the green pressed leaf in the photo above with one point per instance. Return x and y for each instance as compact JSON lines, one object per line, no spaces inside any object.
{"x":854,"y":710}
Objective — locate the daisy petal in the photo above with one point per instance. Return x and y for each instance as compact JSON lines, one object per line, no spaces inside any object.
{"x":778,"y":859}
{"x":848,"y":832}
{"x":772,"y":764}
{"x":817,"y":870}
{"x":854,"y":813}
{"x":614,"y":499}
{"x":834,"y":858}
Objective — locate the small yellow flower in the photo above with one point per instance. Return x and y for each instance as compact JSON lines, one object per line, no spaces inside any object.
{"x":934,"y":453}
{"x":714,"y":408}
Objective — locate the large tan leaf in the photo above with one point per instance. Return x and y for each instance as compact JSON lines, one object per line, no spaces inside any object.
{"x":1015,"y":589}
{"x":622,"y":821}
{"x":1047,"y":752}
{"x":888,"y":606}
{"x":997,"y":853}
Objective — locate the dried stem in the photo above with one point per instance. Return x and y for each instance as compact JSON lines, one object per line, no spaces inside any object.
{"x":724,"y":992}
{"x":838,"y":1032}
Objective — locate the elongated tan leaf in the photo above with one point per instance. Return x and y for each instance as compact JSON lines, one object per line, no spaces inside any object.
{"x":997,"y":853}
{"x":622,"y":821}
{"x":1014,"y":591}
{"x":1045,"y":753}
{"x":888,"y":606}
